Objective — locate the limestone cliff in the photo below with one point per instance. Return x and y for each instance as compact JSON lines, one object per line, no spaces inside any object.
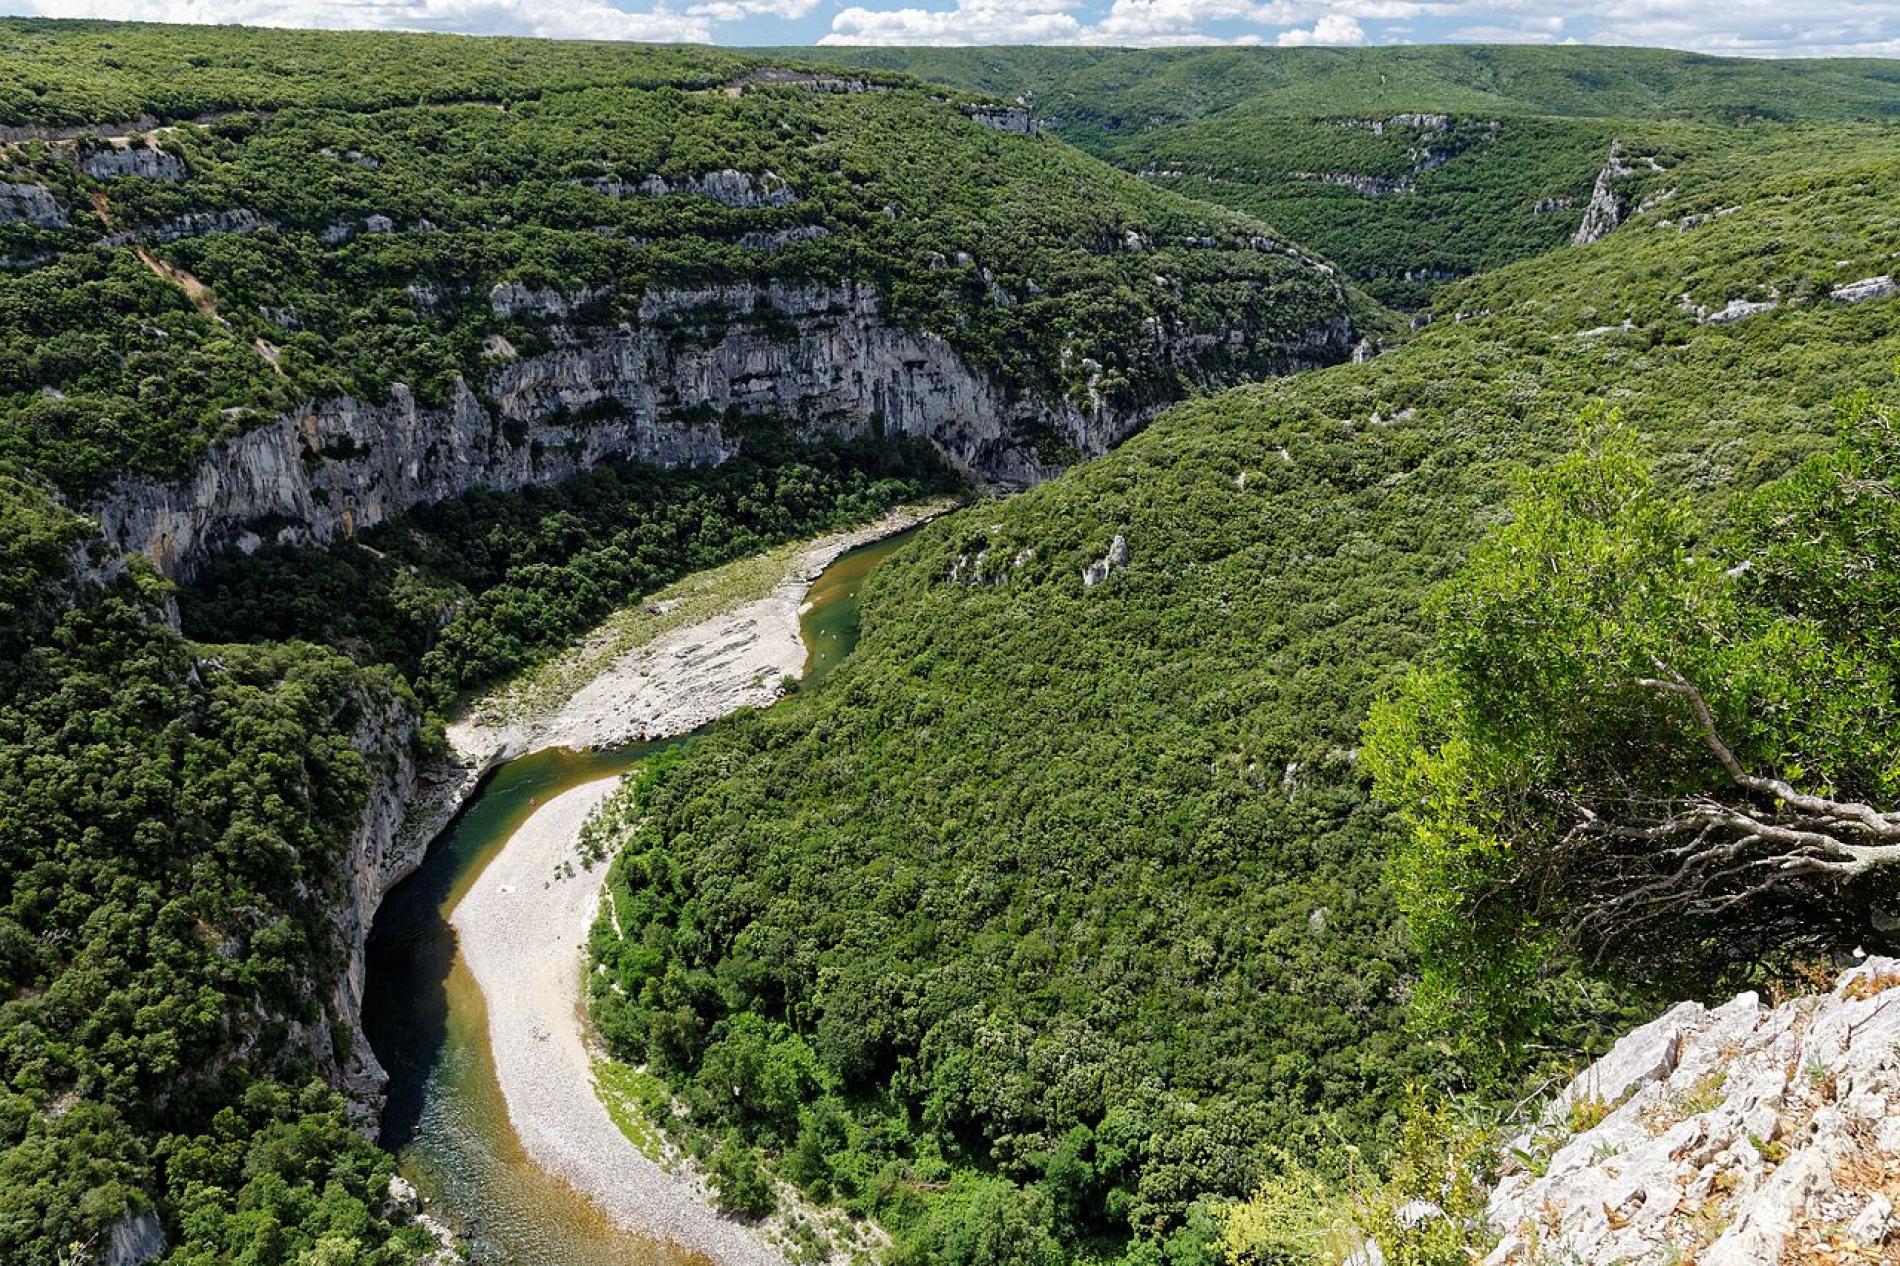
{"x":826,"y":359}
{"x":1742,"y":1135}
{"x":410,"y":801}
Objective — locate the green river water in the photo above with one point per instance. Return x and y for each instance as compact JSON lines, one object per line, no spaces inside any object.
{"x":425,"y":1018}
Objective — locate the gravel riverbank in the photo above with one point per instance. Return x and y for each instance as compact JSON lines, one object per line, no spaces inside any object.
{"x":522,"y":928}
{"x":605,"y":693}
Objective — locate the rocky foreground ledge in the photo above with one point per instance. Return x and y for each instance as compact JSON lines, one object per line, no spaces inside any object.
{"x":1745,"y":1135}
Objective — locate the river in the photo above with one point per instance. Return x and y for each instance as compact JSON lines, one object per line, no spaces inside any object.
{"x":425,"y":1017}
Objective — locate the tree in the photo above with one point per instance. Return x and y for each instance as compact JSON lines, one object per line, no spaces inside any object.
{"x":1649,"y":737}
{"x":739,"y":1181}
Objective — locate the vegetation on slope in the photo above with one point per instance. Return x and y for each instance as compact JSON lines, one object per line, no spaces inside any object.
{"x":172,"y":829}
{"x":1135,"y":88}
{"x":323,"y":240}
{"x":1649,"y":737}
{"x":1409,"y":167}
{"x":1063,"y":906}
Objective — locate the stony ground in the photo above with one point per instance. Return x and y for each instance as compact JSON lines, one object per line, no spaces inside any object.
{"x":523,"y":927}
{"x":701,"y":649}
{"x":1746,"y":1135}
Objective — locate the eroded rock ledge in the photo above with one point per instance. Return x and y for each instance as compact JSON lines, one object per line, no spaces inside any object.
{"x":825,"y":357}
{"x":1745,"y":1135}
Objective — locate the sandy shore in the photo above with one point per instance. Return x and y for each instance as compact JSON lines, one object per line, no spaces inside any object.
{"x":676,"y":682}
{"x":523,"y":927}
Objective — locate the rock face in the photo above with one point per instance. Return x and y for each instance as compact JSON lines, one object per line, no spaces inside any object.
{"x":1605,"y":209}
{"x":1016,"y":120}
{"x":1603,"y":212}
{"x":192,"y":224}
{"x":1098,"y":571}
{"x":727,"y":187}
{"x":408,"y":805}
{"x":30,"y":204}
{"x":142,"y":162}
{"x":135,"y":1240}
{"x":823,"y":357}
{"x":1739,"y":1136}
{"x":1861,"y":291}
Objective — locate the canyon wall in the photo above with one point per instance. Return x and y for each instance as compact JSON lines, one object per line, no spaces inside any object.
{"x":827,"y":359}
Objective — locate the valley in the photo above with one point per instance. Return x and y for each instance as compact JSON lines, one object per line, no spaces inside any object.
{"x":492,"y":1101}
{"x":1343,"y":583}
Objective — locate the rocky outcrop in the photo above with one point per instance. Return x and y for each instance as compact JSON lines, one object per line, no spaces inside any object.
{"x":1369,"y":186}
{"x":1098,"y":571}
{"x":191,"y":224}
{"x":825,"y":358}
{"x":135,"y":1239}
{"x":409,"y":804}
{"x":1405,"y":122}
{"x":1736,"y":310}
{"x":771,"y":242}
{"x":1604,"y":211}
{"x":1861,"y":291}
{"x":1016,"y":120}
{"x":1740,"y":1136}
{"x":30,"y":204}
{"x":727,"y":187}
{"x":140,"y":161}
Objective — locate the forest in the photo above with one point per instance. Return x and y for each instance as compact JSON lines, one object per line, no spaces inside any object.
{"x":1091,"y":908}
{"x":1144,"y":904}
{"x":298,"y":243}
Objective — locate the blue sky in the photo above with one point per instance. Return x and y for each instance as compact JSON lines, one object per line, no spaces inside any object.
{"x":1761,"y":28}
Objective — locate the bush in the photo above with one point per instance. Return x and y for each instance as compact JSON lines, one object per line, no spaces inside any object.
{"x":740,"y":1184}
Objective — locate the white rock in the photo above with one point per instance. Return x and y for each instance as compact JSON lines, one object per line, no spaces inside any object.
{"x":1867,"y":288}
{"x":1729,"y":1136}
{"x":1874,"y":1223}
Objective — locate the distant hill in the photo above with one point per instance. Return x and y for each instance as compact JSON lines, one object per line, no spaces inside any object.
{"x":1410,"y":167}
{"x":1133,"y":89}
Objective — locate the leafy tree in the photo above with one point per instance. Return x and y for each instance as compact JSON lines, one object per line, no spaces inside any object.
{"x":739,"y":1181}
{"x":1645,"y":736}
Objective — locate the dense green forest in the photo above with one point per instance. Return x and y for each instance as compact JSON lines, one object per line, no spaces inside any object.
{"x":1067,"y":903}
{"x":306,"y":237}
{"x":1064,"y":913}
{"x":1411,"y":168}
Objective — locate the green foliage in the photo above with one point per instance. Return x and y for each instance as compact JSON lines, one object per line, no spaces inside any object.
{"x":376,"y":215}
{"x":461,"y":594}
{"x":1059,"y":917}
{"x":1117,"y":89}
{"x":739,"y":1182}
{"x":1043,"y":855}
{"x":1485,"y":155}
{"x":1536,"y":760}
{"x":1455,"y":196}
{"x":1425,"y":1206}
{"x":171,"y":843}
{"x":986,"y":1224}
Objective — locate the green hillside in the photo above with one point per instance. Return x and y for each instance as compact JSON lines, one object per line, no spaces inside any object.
{"x":205,"y":230}
{"x":1062,"y":913}
{"x":1115,"y":89}
{"x":307,"y":239}
{"x":1325,"y":143}
{"x":1068,"y":897}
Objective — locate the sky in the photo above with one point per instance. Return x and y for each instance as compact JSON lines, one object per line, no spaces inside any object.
{"x":1752,"y":28}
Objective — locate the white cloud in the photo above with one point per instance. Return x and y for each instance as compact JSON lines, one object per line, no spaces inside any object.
{"x":1761,"y":28}
{"x":571,"y":19}
{"x":970,"y":22}
{"x":1334,"y":28}
{"x":736,"y":10}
